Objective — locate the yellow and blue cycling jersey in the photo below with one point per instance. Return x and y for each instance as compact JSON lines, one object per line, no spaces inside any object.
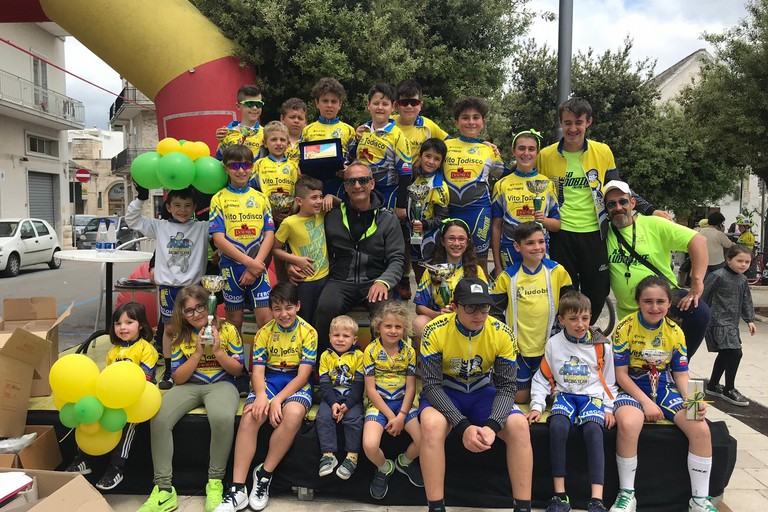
{"x":238,"y":133}
{"x":328,"y":129}
{"x":428,"y":293}
{"x":468,"y":358}
{"x":467,"y":167}
{"x":342,"y":369}
{"x":389,"y":372}
{"x":422,"y":129}
{"x":140,"y":352}
{"x":634,"y":341}
{"x":208,"y":369}
{"x":292,"y":152}
{"x":243,"y":215}
{"x":747,"y":239}
{"x":271,"y":175}
{"x":306,"y":237}
{"x":283,"y":350}
{"x":438,"y":195}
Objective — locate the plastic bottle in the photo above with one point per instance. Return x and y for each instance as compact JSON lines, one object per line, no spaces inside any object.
{"x":111,"y":237}
{"x":101,"y":237}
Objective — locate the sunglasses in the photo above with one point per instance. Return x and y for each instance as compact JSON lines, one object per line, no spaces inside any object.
{"x":362,"y":180}
{"x":471,"y":309}
{"x":409,"y":102}
{"x":610,"y":205}
{"x":199,"y":309}
{"x":235,"y":166}
{"x":252,"y":103}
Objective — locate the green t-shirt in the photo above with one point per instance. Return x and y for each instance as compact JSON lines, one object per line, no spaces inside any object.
{"x":655,"y":238}
{"x":577,"y":213}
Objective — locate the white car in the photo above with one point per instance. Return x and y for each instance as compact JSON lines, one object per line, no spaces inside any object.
{"x":25,"y":242}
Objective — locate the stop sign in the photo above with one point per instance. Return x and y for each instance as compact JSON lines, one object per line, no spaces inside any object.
{"x":83,"y":175}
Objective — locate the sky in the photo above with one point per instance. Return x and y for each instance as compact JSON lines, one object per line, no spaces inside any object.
{"x":666,"y":30}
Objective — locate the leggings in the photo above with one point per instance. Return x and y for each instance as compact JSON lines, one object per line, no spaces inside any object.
{"x":727,"y":361}
{"x":559,"y":428}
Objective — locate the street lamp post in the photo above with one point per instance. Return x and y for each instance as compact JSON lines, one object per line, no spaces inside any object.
{"x":564,"y":50}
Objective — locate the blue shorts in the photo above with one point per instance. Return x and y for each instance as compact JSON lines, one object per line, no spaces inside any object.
{"x":390,"y":194}
{"x":509,"y":255}
{"x":167,"y":297}
{"x":669,"y":400}
{"x":234,"y":294}
{"x":276,"y":381}
{"x":373,"y":414}
{"x":426,"y":251}
{"x":478,"y":219}
{"x":475,"y":406}
{"x":579,"y":408}
{"x":526,"y":367}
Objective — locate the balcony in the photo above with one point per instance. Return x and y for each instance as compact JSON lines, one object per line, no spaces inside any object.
{"x":121,"y":106}
{"x":24,"y":100}
{"x":121,"y":163}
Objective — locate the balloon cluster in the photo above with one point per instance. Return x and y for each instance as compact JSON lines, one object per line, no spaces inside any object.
{"x":98,"y":405}
{"x":177,"y":164}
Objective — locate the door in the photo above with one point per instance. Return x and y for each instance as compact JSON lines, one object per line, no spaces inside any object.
{"x":41,"y":199}
{"x":30,"y":245}
{"x":46,"y":238}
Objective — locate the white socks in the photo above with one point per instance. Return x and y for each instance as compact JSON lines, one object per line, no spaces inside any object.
{"x":627,"y":468}
{"x":698,"y":471}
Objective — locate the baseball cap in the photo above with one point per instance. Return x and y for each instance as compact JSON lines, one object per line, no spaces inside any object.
{"x":616,"y":185}
{"x":471,"y":290}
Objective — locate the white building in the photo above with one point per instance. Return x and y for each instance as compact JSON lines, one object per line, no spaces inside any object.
{"x":34,"y":116}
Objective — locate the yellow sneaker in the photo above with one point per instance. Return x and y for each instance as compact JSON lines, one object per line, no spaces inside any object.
{"x":214,"y":491}
{"x":161,"y":501}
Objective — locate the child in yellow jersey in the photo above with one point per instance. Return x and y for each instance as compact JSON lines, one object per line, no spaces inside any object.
{"x":526,"y":296}
{"x":128,"y":333}
{"x":648,"y":349}
{"x":746,"y":237}
{"x":293,"y":114}
{"x":204,"y":375}
{"x":284,"y":354}
{"x":329,"y":96}
{"x":416,"y":128}
{"x":390,"y":383}
{"x":247,"y":132}
{"x":242,"y":229}
{"x":275,"y":173}
{"x":305,"y":235}
{"x":341,"y":383}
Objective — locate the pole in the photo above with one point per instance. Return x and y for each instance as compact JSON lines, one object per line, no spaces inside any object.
{"x":564,"y":51}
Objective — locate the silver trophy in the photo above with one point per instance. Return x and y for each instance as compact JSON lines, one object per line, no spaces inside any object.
{"x":212,"y":283}
{"x":654,"y":358}
{"x":537,"y":187}
{"x":280,"y":203}
{"x":418,"y":193}
{"x":441,"y":272}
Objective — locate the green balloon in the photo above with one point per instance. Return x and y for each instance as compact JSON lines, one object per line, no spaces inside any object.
{"x":88,"y":409}
{"x":176,"y":171}
{"x":144,"y":170}
{"x":113,"y":420}
{"x":67,"y":416}
{"x":210,"y":176}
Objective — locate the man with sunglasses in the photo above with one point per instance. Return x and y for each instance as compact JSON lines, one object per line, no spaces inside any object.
{"x":469,"y":371}
{"x":247,"y":132}
{"x":365,"y":252}
{"x":640,"y":246}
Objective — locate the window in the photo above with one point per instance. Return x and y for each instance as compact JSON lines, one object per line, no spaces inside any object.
{"x":42,"y":145}
{"x":40,"y":227}
{"x":27,"y":231}
{"x":40,"y":77}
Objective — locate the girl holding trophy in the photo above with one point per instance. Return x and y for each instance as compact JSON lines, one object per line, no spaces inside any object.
{"x":651,"y":367}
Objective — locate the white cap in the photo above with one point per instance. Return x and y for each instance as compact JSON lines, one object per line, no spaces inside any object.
{"x":616,"y":185}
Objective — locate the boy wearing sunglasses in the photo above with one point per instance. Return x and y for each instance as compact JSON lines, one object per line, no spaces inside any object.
{"x":247,"y":132}
{"x":414,"y":126}
{"x":468,"y":370}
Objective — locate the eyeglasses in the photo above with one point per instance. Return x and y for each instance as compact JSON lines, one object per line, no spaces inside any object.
{"x":252,"y":103}
{"x":234,"y":166}
{"x":199,"y":309}
{"x":610,"y":205}
{"x":362,"y":180}
{"x":409,"y":102}
{"x":471,"y":309}
{"x":456,"y":239}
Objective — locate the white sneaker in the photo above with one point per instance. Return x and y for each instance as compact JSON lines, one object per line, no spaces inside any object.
{"x":625,"y":502}
{"x":701,"y":505}
{"x":233,"y":500}
{"x":259,"y":497}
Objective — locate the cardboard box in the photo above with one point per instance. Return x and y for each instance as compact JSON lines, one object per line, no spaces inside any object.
{"x":59,"y":491}
{"x":43,"y":453}
{"x":36,"y":315}
{"x":20,"y":353}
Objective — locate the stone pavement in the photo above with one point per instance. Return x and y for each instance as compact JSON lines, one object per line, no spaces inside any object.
{"x":748,"y":487}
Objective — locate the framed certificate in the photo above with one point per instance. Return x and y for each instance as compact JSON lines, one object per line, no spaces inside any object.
{"x":321,"y":159}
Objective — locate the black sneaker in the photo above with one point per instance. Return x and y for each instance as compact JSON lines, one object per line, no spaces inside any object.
{"x":733,"y":396}
{"x":412,"y":471}
{"x":79,"y":465}
{"x":556,"y":504}
{"x":166,"y":382}
{"x":716,"y":390}
{"x":380,"y":482}
{"x":596,"y":505}
{"x":111,"y":478}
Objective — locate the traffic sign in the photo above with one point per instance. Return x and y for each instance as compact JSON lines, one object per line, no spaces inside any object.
{"x":83,"y":175}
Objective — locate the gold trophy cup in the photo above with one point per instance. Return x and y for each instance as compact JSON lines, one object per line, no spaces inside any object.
{"x":537,"y":187}
{"x":441,"y":273}
{"x":213,"y":284}
{"x":418,"y":193}
{"x":654,"y":358}
{"x":280,"y":203}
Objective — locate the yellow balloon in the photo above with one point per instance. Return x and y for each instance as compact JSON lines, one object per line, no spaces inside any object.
{"x":146,"y":406}
{"x":97,"y":443}
{"x":89,"y":428}
{"x":168,"y":145}
{"x":190,"y":149}
{"x":58,"y":403}
{"x":72,"y":377}
{"x":202,"y":149}
{"x":120,"y":384}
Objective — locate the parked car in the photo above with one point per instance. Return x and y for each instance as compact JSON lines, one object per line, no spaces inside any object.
{"x":25,"y":242}
{"x":79,"y":222}
{"x":87,"y":240}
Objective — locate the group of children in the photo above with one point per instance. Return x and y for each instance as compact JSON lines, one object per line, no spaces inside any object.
{"x":462,"y":219}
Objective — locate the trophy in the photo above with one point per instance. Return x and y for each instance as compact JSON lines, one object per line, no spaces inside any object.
{"x":537,"y":187}
{"x":280,"y":203}
{"x":213,"y":284}
{"x":417,"y":193}
{"x":654,"y":358}
{"x":441,"y":273}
